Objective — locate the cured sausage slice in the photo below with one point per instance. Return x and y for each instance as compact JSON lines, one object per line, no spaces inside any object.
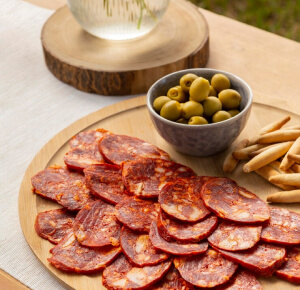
{"x":96,"y":225}
{"x":175,"y":248}
{"x":139,"y":249}
{"x":232,"y":237}
{"x":105,"y":182}
{"x":231,"y":202}
{"x":120,"y":148}
{"x":123,"y":275}
{"x":244,"y":280}
{"x":137,"y":214}
{"x":53,"y":225}
{"x":173,"y":281}
{"x":178,"y":199}
{"x":262,"y":259}
{"x":171,"y":229}
{"x":87,"y":137}
{"x":208,"y":270}
{"x":83,"y":156}
{"x":70,"y":256}
{"x":290,"y":271}
{"x":63,"y":186}
{"x":145,"y":177}
{"x":283,"y":227}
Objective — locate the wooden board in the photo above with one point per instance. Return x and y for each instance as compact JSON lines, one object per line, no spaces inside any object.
{"x":131,"y":118}
{"x":128,"y":67}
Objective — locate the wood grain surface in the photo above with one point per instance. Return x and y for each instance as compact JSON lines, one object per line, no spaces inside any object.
{"x":127,"y":67}
{"x":131,"y":118}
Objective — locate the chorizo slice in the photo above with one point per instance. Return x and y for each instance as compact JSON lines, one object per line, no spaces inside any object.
{"x":59,"y":184}
{"x":263,"y":259}
{"x":208,"y":270}
{"x":179,"y":200}
{"x":290,"y":271}
{"x":145,"y":177}
{"x":68,"y":255}
{"x":173,"y":281}
{"x":175,"y":248}
{"x":53,"y":225}
{"x":123,"y":275}
{"x":283,"y":227}
{"x":171,"y":229}
{"x":83,"y":156}
{"x":243,"y":280}
{"x":232,"y":202}
{"x":139,"y":250}
{"x":117,"y":149}
{"x":96,"y":225}
{"x":233,"y":237}
{"x":105,"y":182}
{"x":137,"y":214}
{"x":87,"y":137}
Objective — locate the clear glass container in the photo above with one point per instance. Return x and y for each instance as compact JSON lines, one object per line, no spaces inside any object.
{"x":118,"y":19}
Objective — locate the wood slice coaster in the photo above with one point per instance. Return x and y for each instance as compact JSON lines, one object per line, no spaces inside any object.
{"x":105,"y":67}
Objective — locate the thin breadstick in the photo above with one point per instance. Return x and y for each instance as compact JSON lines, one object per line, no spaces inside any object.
{"x":275,"y":125}
{"x":267,"y":156}
{"x":287,"y":161}
{"x":287,"y":179}
{"x":294,"y":157}
{"x":276,"y":165}
{"x":243,"y":153}
{"x":279,"y":136}
{"x":267,"y":171}
{"x":253,"y":140}
{"x":230,"y":162}
{"x":285,"y":196}
{"x":296,"y":168}
{"x":294,"y":127}
{"x":255,"y":153}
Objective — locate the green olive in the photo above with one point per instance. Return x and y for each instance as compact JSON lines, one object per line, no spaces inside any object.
{"x":220,"y":82}
{"x":212,"y":92}
{"x":190,"y":109}
{"x":233,"y":112}
{"x":186,"y":81}
{"x":171,"y":110}
{"x":230,"y":99}
{"x":211,"y":105}
{"x":159,"y":102}
{"x":199,"y":89}
{"x":197,"y":120}
{"x":177,"y":94}
{"x":182,"y":121}
{"x":220,"y":116}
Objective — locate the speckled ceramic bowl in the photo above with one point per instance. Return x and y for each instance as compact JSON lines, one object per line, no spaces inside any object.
{"x":200,"y":140}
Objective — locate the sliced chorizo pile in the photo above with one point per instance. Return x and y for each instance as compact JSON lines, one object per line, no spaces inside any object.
{"x":152,"y":223}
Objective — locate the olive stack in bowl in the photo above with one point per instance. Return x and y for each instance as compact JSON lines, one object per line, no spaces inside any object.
{"x":199,"y":111}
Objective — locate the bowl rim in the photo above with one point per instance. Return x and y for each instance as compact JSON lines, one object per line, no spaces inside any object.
{"x":204,"y":126}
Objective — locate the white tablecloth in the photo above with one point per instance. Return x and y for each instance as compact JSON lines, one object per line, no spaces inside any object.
{"x":34,"y":106}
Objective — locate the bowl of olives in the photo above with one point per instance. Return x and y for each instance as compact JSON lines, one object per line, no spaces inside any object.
{"x":200,"y":112}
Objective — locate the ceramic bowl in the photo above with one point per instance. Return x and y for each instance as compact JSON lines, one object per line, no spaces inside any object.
{"x":200,"y":140}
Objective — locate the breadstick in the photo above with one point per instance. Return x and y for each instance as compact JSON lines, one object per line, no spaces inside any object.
{"x":230,"y":162}
{"x":296,"y":168}
{"x":267,"y":156}
{"x":276,"y":166}
{"x":275,"y":125}
{"x":287,"y":179}
{"x":243,"y":153}
{"x":285,"y":196}
{"x":294,"y":127}
{"x":294,"y":157}
{"x":255,"y":153}
{"x":279,"y":136}
{"x":287,"y":161}
{"x":253,"y":140}
{"x":267,"y":171}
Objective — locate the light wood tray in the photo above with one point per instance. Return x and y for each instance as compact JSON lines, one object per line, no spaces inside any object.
{"x":131,"y":118}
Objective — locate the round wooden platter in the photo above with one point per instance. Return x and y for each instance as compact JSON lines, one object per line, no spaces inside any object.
{"x":131,"y":118}
{"x":105,"y":67}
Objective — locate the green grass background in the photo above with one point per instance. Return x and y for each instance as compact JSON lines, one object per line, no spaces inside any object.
{"x":281,"y":17}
